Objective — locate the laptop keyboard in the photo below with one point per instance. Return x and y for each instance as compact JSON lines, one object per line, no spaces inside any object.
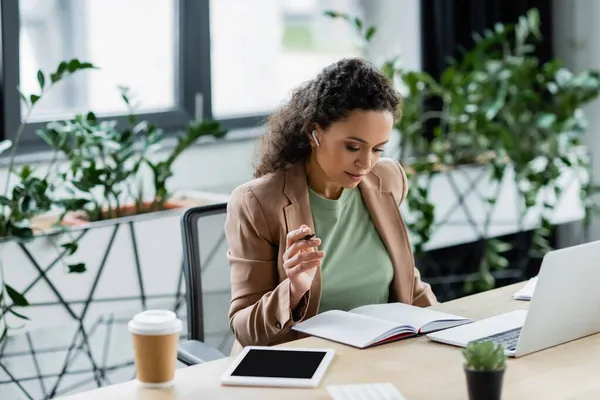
{"x":508,"y":339}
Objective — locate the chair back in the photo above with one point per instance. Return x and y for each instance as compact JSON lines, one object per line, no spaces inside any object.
{"x":206,"y":273}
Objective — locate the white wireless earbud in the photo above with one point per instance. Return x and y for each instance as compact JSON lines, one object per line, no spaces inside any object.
{"x":314,"y":135}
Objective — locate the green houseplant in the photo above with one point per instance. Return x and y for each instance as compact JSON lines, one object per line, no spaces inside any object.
{"x":31,"y":195}
{"x":502,"y":109}
{"x":100,"y":179}
{"x":484,"y":365}
{"x":105,"y":163}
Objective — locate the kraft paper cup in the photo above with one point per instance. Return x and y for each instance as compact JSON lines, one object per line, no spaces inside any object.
{"x":155,"y":336}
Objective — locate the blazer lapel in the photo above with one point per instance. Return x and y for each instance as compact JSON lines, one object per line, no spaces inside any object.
{"x":295,"y":189}
{"x":298,"y":213}
{"x":386,"y":217}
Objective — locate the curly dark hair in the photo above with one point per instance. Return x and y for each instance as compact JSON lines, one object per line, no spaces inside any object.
{"x":346,"y":85}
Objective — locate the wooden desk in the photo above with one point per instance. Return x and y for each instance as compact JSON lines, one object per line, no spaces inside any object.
{"x":420,"y":369}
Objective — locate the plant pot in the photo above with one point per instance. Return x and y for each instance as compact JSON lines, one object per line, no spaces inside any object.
{"x":80,"y":218}
{"x":484,"y":385}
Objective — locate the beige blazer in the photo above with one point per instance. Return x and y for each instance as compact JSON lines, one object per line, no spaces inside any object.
{"x":260,"y":213}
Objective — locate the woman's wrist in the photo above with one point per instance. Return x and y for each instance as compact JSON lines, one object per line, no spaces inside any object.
{"x":295,"y":296}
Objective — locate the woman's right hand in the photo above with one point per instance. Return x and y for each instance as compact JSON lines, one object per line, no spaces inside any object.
{"x":300,"y":262}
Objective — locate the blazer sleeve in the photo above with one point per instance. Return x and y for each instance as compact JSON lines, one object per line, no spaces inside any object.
{"x":260,"y":306}
{"x":423,"y":296}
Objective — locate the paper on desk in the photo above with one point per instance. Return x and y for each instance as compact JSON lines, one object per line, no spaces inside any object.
{"x":365,"y":391}
{"x":526,"y":291}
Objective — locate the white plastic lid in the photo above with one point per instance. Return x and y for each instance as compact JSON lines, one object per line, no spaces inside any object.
{"x":155,"y":322}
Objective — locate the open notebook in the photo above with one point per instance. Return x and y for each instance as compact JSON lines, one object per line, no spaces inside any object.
{"x":372,"y":325}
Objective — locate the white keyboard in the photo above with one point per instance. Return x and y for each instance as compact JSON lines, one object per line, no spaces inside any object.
{"x":365,"y":391}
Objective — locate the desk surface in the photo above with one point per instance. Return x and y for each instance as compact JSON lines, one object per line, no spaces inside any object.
{"x":420,"y":369}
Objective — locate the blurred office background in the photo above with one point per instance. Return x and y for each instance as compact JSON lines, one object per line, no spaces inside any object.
{"x":187,"y":63}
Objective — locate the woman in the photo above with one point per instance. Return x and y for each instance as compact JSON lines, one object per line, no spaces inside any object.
{"x":320,"y":173}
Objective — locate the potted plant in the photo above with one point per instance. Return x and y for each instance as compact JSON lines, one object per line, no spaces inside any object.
{"x":484,"y":365}
{"x":503,"y":112}
{"x":105,"y":164}
{"x":25,"y":201}
{"x":48,"y":207}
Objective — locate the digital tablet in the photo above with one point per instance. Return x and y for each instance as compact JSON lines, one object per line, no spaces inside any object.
{"x":278,"y":366}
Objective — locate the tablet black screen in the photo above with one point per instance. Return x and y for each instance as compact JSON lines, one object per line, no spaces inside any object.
{"x":279,"y":364}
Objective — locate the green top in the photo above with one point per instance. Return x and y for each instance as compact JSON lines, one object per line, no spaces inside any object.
{"x":356,"y":269}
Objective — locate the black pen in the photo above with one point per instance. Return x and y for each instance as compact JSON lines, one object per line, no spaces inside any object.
{"x":308,"y":236}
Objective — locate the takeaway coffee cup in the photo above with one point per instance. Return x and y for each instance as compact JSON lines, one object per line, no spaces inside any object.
{"x":155,"y":335}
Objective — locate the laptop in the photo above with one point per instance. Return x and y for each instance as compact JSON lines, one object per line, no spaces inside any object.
{"x":565,"y":306}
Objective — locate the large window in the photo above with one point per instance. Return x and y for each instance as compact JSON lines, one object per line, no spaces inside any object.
{"x":134,"y":43}
{"x":232,"y":60}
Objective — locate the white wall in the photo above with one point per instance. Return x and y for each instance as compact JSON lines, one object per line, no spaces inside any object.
{"x":219,"y":167}
{"x":395,"y":39}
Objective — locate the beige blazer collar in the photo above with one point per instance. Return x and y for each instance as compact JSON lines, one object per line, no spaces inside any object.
{"x":384,"y":212}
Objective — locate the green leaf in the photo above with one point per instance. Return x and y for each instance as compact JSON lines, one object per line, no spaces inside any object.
{"x":125,"y":98}
{"x":336,"y":14}
{"x":71,"y":247}
{"x":358,"y":23}
{"x":566,"y":161}
{"x":81,"y":186}
{"x":484,"y":356}
{"x":41,"y":79}
{"x":370,"y":32}
{"x":508,"y":140}
{"x":533,"y":18}
{"x":500,"y":246}
{"x":497,"y":262}
{"x":47,"y":136}
{"x":5,"y":201}
{"x":73,"y":65}
{"x":18,"y":315}
{"x":54,"y":77}
{"x":34,"y":98}
{"x":62,"y":68}
{"x":26,"y":172}
{"x":76,"y":268}
{"x":4,"y":334}
{"x":17,"y":298}
{"x":499,"y":102}
{"x":498,"y":171}
{"x":388,"y":70}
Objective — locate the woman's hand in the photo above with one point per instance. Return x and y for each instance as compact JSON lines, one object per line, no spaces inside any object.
{"x":300,"y":262}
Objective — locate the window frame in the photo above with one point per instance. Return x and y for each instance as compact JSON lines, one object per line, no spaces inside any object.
{"x":194,"y":76}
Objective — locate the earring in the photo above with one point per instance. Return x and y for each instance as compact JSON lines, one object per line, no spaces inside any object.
{"x":314,"y":135}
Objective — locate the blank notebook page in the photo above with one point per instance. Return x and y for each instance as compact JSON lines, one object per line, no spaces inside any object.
{"x":355,"y":329}
{"x":399,"y":312}
{"x":368,"y":391}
